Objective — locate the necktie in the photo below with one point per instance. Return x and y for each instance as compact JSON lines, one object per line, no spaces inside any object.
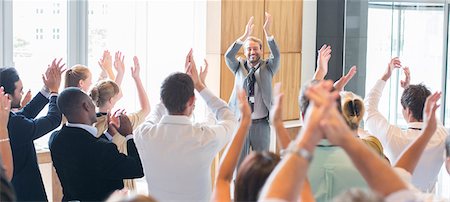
{"x":250,"y":87}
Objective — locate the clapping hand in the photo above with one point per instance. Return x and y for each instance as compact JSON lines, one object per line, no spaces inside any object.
{"x":5,"y":107}
{"x":204,"y":72}
{"x":405,"y":83}
{"x":276,"y":113}
{"x":267,"y":24}
{"x":248,"y":29}
{"x":137,"y":68}
{"x":105,"y":62}
{"x":394,"y":63}
{"x":52,"y":77}
{"x":119,"y":64}
{"x":429,"y":112}
{"x":342,"y":82}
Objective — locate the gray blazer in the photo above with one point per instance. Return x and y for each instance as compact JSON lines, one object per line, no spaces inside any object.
{"x":263,"y":75}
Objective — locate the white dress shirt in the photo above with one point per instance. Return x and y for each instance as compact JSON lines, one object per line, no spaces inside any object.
{"x":395,"y":140}
{"x":177,"y":154}
{"x":91,"y":129}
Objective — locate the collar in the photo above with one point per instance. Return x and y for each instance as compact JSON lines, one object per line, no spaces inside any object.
{"x":91,"y":129}
{"x":99,"y":114}
{"x":176,"y":119}
{"x":325,"y":143}
{"x":415,"y":126}
{"x":256,"y":66}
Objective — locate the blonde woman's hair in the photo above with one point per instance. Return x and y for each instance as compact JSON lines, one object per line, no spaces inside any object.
{"x":75,"y":74}
{"x":103,"y":91}
{"x":352,"y":109}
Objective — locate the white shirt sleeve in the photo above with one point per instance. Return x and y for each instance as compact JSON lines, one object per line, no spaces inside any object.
{"x":226,"y":122}
{"x":155,"y":116}
{"x":376,"y":123}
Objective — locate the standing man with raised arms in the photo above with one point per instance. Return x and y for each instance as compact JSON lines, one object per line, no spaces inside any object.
{"x":254,"y":74}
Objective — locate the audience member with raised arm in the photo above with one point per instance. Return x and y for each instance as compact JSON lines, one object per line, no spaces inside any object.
{"x":323,"y":120}
{"x":81,"y":77}
{"x":106,"y":64}
{"x":332,"y":171}
{"x":395,"y":139}
{"x":254,"y":74}
{"x":90,"y":169}
{"x":105,"y":94}
{"x":409,"y":159}
{"x":176,"y":153}
{"x":24,"y":128}
{"x":6,"y":159}
{"x":232,"y":153}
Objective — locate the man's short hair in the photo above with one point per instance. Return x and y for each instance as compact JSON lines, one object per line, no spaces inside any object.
{"x":254,"y":39}
{"x":447,"y":146}
{"x":8,"y":79}
{"x":303,"y":100}
{"x":414,"y":98}
{"x":70,"y":99}
{"x":176,"y":91}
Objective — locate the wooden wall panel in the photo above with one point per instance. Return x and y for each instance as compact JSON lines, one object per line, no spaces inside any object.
{"x":235,"y":15}
{"x":287,"y":24}
{"x":289,"y":76}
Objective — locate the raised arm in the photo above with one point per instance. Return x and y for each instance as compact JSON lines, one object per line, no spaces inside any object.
{"x":5,"y":146}
{"x":342,"y":82}
{"x":36,"y":128}
{"x":276,"y":117}
{"x":291,"y":171}
{"x":119,"y":65}
{"x":323,"y":57}
{"x":405,"y":83}
{"x":228,"y":164}
{"x":105,"y":64}
{"x":411,"y":156}
{"x":367,"y":162}
{"x":226,"y":122}
{"x":377,"y":124}
{"x":230,"y":55}
{"x":274,"y":58}
{"x":143,"y":98}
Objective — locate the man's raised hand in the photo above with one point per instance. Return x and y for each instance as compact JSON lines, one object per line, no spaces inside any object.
{"x":394,"y":63}
{"x":267,"y":24}
{"x":405,"y":83}
{"x":248,"y":29}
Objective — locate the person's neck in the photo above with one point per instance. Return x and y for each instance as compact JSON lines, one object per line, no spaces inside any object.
{"x":80,"y":121}
{"x":412,"y":120}
{"x":104,"y":109}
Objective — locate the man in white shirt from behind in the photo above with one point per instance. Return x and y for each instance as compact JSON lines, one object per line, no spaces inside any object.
{"x":394,"y":139}
{"x":177,"y":154}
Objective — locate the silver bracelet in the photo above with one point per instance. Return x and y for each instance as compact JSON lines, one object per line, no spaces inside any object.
{"x":4,"y":140}
{"x":301,"y":152}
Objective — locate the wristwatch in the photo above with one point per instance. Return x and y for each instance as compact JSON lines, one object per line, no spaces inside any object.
{"x":301,"y":152}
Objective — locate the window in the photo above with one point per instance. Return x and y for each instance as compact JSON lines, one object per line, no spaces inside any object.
{"x":415,"y":33}
{"x":36,"y":44}
{"x":149,"y":31}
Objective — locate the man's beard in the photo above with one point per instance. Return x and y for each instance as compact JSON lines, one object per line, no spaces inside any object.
{"x":253,"y":59}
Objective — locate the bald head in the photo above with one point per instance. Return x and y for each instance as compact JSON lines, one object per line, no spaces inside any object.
{"x":76,"y":105}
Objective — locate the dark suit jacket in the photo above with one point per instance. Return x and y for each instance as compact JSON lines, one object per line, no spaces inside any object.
{"x":90,"y":169}
{"x":23,"y":128}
